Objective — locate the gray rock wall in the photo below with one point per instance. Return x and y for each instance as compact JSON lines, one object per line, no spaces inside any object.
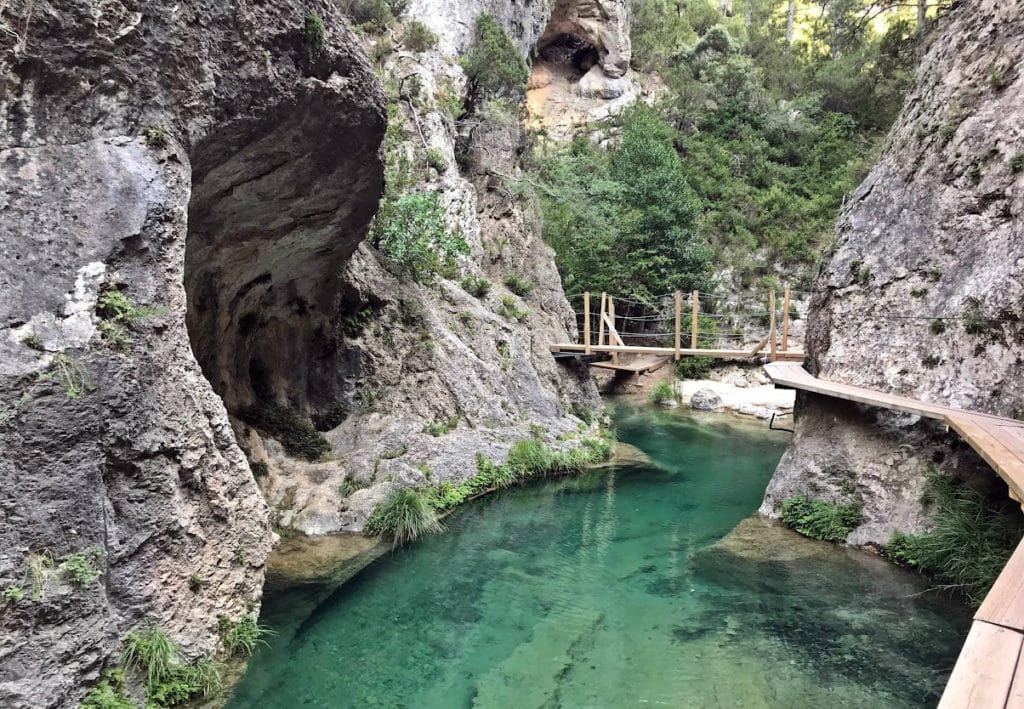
{"x":130,"y":450}
{"x":924,"y":294}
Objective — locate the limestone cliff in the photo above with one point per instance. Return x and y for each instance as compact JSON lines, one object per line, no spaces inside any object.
{"x":155,"y":154}
{"x":924,"y":293}
{"x":415,"y":356}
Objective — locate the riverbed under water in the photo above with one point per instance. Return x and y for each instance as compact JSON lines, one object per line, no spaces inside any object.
{"x":620,"y":588}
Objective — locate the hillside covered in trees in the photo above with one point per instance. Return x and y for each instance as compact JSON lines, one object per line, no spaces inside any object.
{"x":764,"y":116}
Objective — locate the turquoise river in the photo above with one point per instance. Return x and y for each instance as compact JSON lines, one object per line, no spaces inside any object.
{"x":646,"y":583}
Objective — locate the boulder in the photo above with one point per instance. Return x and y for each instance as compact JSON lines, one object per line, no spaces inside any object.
{"x":705,"y":400}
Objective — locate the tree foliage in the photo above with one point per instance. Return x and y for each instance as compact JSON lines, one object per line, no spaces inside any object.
{"x":493,"y":63}
{"x":770,"y":136}
{"x":624,"y":220}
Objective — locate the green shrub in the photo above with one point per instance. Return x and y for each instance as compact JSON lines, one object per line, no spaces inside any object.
{"x":109,"y":692}
{"x":819,"y":519}
{"x":296,"y":433}
{"x":937,"y":326}
{"x":477,"y":286}
{"x":242,"y":636}
{"x":195,"y":583}
{"x":493,"y":64}
{"x":511,"y":310}
{"x":13,"y":593}
{"x":82,"y":568}
{"x":969,"y":544}
{"x":435,"y":158}
{"x":410,"y":231}
{"x":405,"y":515}
{"x":439,"y":429}
{"x":518,"y":285}
{"x":660,"y":393}
{"x":418,"y":37}
{"x":693,"y":367}
{"x":316,"y":35}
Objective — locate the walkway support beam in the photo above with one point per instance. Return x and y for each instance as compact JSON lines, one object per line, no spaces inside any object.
{"x":600,"y":320}
{"x":771,"y":320}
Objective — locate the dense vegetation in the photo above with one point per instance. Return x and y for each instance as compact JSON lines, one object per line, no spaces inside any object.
{"x":769,"y":129}
{"x":970,"y":543}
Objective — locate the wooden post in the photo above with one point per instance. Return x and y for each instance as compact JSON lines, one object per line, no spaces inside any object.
{"x":771,"y":320}
{"x":679,"y":307}
{"x":600,"y":321}
{"x":785,"y":319}
{"x":611,"y":317}
{"x":695,"y":300}
{"x":586,"y":322}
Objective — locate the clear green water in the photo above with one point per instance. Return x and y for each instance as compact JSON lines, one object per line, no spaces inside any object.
{"x":611,"y":590}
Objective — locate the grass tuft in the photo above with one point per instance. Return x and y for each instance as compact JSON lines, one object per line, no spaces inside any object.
{"x":970,"y":543}
{"x":404,"y":515}
{"x":242,"y":636}
{"x":660,"y":393}
{"x":150,"y":652}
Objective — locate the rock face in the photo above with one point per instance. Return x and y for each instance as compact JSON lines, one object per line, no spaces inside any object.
{"x":124,"y":126}
{"x":924,"y":295}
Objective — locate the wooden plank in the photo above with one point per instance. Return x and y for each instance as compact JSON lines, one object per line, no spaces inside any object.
{"x":1002,"y":460}
{"x":785,"y":319}
{"x":613,"y":334}
{"x":1004,"y":604}
{"x":771,"y":320}
{"x":611,"y":314}
{"x":1016,"y":698}
{"x":586,"y":322}
{"x":695,"y":301}
{"x":640,"y":366}
{"x":600,"y":320}
{"x":679,"y":305}
{"x":984,"y":670}
{"x":760,"y":346}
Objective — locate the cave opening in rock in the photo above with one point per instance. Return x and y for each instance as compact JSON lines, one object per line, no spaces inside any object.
{"x":278,"y":204}
{"x":570,"y":54}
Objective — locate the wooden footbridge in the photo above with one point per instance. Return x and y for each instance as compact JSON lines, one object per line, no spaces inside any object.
{"x":990,"y":670}
{"x":654,"y":332}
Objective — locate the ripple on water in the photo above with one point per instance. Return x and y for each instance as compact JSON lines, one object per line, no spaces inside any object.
{"x":618,"y":588}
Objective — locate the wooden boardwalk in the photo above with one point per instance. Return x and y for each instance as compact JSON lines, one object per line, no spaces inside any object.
{"x":610,"y":339}
{"x":990,"y":669}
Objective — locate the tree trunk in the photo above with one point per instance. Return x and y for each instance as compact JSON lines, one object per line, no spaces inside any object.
{"x":748,"y":13}
{"x":790,"y":16}
{"x":921,"y":15}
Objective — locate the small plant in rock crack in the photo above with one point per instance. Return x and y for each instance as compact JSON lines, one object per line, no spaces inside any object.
{"x":477,"y":286}
{"x":511,"y":310}
{"x":242,"y":636}
{"x":71,"y":374}
{"x":33,"y":342}
{"x":156,"y":136}
{"x":195,"y":583}
{"x":13,"y":593}
{"x":440,"y":428}
{"x":518,"y":285}
{"x":118,"y":315}
{"x":81,"y":569}
{"x":238,"y":555}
